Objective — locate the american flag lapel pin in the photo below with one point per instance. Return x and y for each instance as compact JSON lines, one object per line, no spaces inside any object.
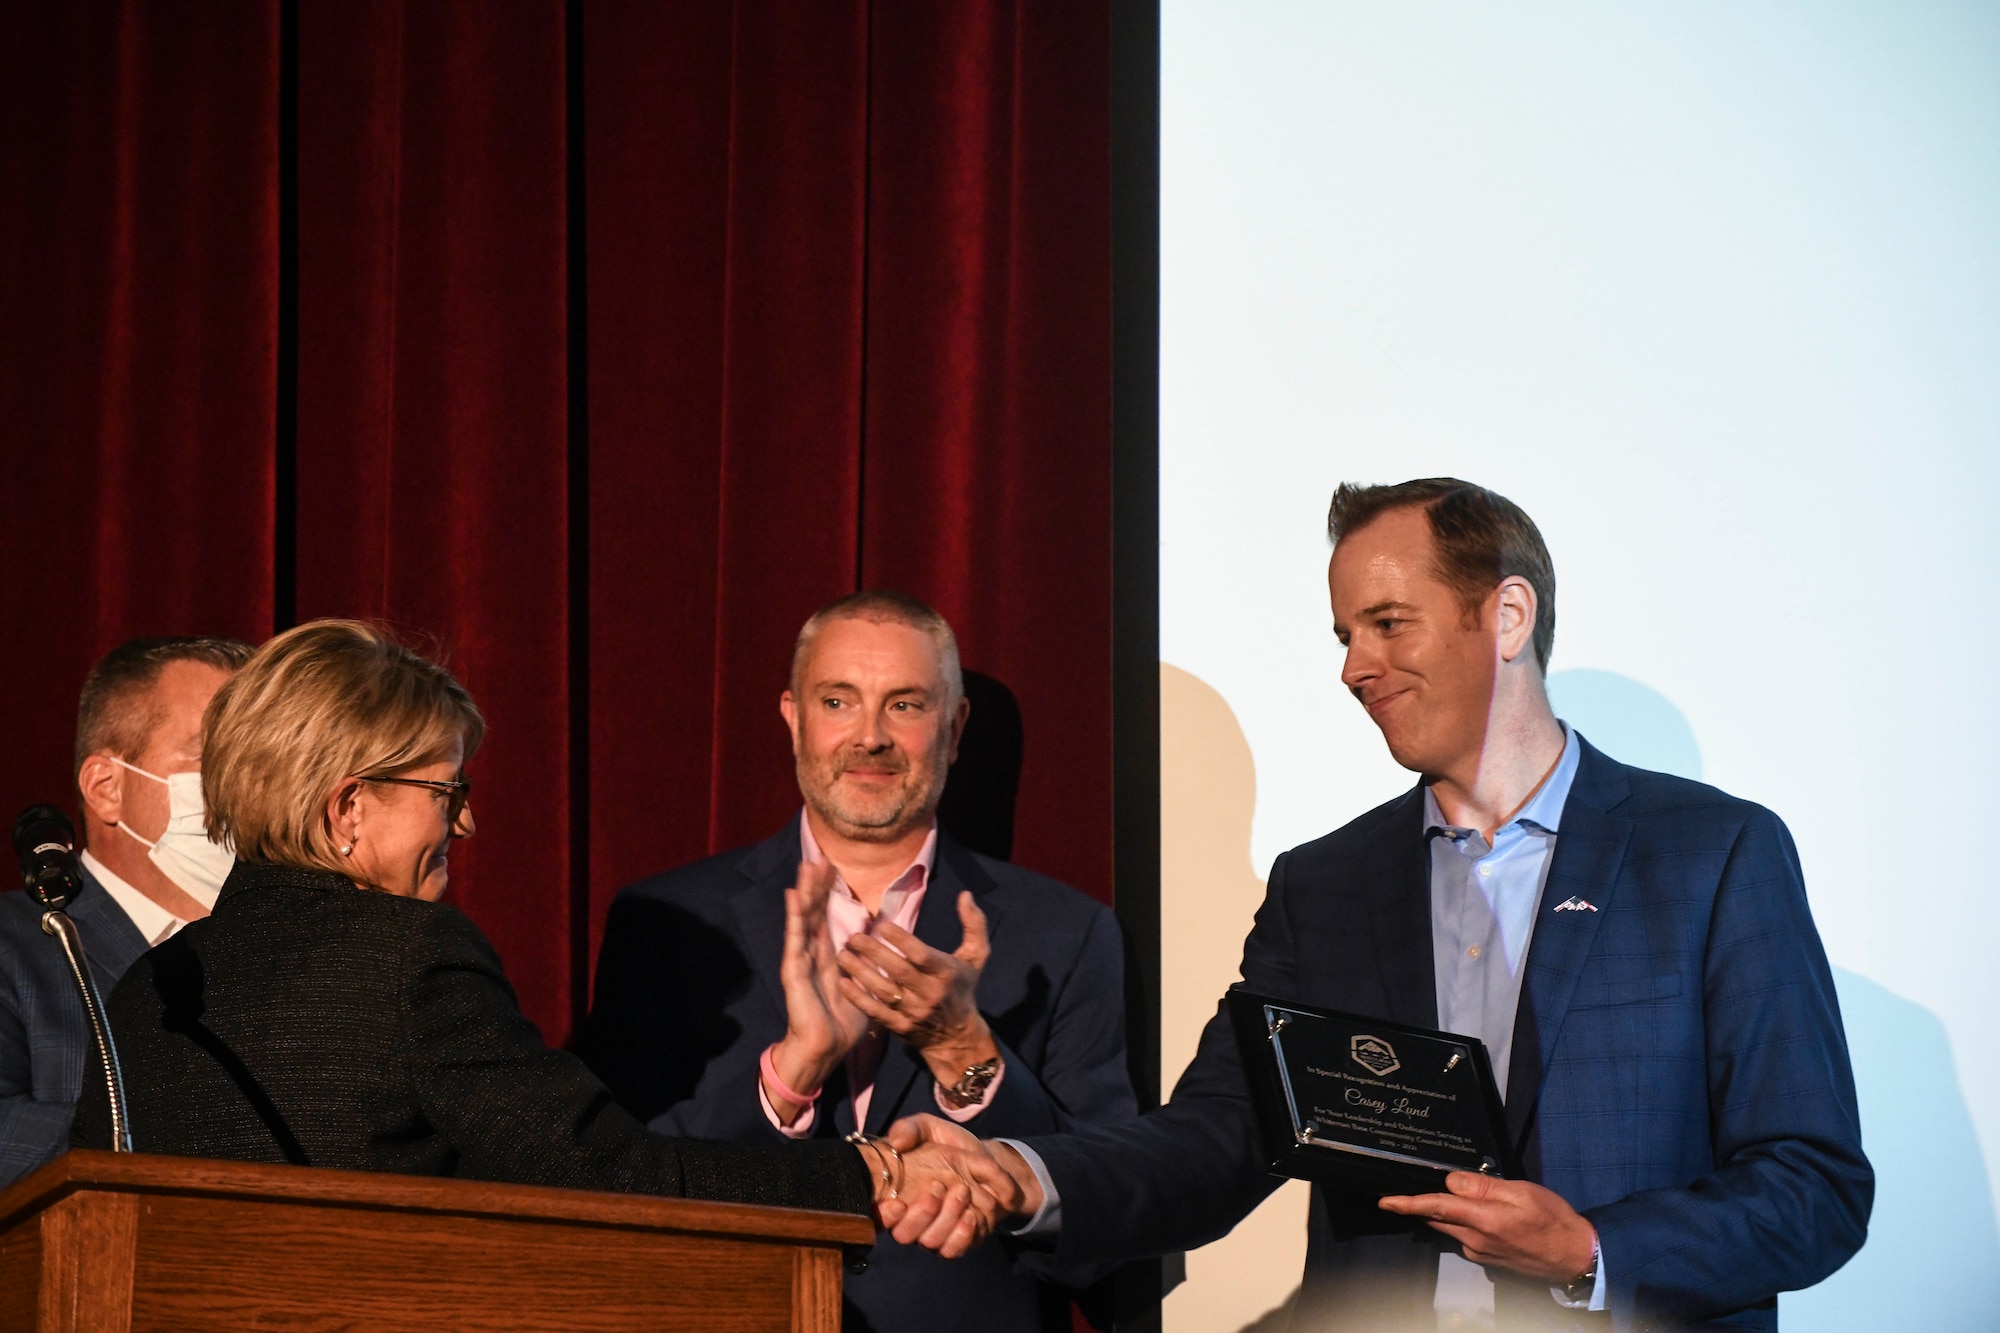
{"x":1574,"y":904}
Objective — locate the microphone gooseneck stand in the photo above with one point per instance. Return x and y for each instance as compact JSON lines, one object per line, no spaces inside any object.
{"x":45,"y":841}
{"x":56,"y":922}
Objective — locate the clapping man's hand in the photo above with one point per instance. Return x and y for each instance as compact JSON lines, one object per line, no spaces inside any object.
{"x":821,"y":1025}
{"x":924,"y":995}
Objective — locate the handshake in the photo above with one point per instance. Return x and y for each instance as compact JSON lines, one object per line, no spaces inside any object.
{"x":940,"y":1186}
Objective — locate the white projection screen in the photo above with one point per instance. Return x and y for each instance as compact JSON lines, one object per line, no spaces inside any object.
{"x":1713,"y":291}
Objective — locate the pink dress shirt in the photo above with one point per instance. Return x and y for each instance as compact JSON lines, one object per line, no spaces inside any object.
{"x":846,"y":917}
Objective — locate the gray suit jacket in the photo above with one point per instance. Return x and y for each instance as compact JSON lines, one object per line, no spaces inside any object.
{"x":43,"y":1035}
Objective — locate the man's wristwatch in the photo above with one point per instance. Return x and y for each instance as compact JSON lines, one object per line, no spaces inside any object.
{"x":1584,"y":1284}
{"x":971,"y":1087}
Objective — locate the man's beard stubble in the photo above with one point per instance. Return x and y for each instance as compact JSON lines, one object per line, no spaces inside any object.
{"x":877,"y":818}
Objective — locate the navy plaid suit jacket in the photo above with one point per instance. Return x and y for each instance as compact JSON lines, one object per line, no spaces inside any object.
{"x":1680,"y":1074}
{"x":43,"y":1034}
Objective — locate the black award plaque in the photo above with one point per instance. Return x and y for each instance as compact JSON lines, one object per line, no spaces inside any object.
{"x":1368,"y":1106}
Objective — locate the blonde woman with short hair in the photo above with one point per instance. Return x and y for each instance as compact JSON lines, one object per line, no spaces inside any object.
{"x":333,"y":1012}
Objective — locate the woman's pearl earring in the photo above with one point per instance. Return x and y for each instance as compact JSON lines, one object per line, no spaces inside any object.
{"x":348,"y":850}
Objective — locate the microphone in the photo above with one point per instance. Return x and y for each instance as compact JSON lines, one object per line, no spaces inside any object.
{"x":45,"y":841}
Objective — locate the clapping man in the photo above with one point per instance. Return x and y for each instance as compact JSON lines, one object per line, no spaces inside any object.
{"x":860,"y":965}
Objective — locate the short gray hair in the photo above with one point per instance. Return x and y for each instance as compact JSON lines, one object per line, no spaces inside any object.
{"x":884,"y":605}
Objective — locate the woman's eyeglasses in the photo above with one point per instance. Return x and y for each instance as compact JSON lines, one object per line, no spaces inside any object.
{"x":457,"y":791}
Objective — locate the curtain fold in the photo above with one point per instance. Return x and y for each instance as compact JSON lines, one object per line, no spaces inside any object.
{"x":433,"y":440}
{"x":724,"y":148}
{"x":657,"y":175}
{"x":138,"y":318}
{"x":791,"y":448}
{"x":847,"y":320}
{"x":988,"y":471}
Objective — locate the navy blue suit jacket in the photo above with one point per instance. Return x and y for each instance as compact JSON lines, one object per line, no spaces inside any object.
{"x":43,"y":1032}
{"x":688,"y":997}
{"x":1680,"y":1074}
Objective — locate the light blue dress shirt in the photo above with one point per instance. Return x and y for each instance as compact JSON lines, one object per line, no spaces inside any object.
{"x":1484,"y":904}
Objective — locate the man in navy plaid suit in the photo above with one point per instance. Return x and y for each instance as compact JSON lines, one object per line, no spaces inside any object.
{"x":147,"y":871}
{"x":1635,"y":951}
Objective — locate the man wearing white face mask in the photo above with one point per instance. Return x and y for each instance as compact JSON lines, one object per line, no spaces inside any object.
{"x":193,"y":866}
{"x":148,"y":865}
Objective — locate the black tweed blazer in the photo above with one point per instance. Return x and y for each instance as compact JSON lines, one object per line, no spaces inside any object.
{"x":312,"y":1022}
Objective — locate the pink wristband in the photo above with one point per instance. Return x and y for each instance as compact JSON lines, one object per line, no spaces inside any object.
{"x":777,"y":1085}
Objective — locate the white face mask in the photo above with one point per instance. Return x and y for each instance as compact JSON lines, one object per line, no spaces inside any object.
{"x":184,"y":854}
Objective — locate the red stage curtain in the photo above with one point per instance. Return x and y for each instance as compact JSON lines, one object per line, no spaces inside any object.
{"x":433,"y":426}
{"x":726,"y":193}
{"x":843,"y":304}
{"x":138,"y":361}
{"x":988,"y":376}
{"x":885,"y":232}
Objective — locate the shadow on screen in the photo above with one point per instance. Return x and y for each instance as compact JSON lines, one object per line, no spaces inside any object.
{"x":1633,"y":723}
{"x":985,"y":783}
{"x":1210,"y":890}
{"x":1932,"y":1260}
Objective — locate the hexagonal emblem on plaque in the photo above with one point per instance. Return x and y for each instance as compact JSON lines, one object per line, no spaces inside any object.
{"x":1373,"y":1054}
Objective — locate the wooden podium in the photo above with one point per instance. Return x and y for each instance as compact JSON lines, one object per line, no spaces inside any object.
{"x":95,"y":1242}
